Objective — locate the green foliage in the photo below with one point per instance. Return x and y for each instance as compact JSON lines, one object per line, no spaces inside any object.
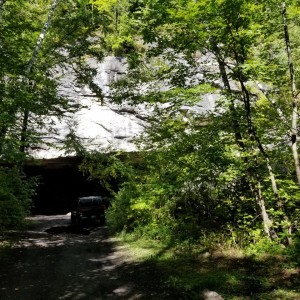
{"x":110,"y":169}
{"x":199,"y":172}
{"x":206,"y":171}
{"x":263,"y":245}
{"x":294,"y":251}
{"x":15,"y":197}
{"x":120,"y":215}
{"x":118,"y":35}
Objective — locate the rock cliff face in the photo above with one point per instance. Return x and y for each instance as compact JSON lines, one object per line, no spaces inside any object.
{"x":101,"y":126}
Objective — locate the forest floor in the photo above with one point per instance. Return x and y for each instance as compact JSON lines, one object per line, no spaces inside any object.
{"x":218,"y":272}
{"x":56,"y":260}
{"x":53,"y":259}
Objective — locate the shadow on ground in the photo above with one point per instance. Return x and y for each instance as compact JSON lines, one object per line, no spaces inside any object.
{"x":74,"y":263}
{"x":231,"y":273}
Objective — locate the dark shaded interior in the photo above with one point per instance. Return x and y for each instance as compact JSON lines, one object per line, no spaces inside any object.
{"x":60,"y":184}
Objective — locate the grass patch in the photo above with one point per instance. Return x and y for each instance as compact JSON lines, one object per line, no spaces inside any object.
{"x":234,"y":274}
{"x":141,"y":249}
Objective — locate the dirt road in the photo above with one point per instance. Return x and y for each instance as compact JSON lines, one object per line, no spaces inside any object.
{"x":56,"y":260}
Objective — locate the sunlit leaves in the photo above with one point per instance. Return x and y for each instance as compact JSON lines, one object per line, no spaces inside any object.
{"x":118,"y":33}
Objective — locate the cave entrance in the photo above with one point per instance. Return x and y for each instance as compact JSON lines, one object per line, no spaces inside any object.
{"x":60,"y":184}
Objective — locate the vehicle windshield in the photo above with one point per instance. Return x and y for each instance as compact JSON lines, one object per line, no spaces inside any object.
{"x":89,"y":201}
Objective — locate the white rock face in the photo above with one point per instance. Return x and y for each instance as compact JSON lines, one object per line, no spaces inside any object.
{"x":102,"y":127}
{"x":99,"y":127}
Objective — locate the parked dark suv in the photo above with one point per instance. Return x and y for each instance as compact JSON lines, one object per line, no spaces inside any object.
{"x":91,"y":208}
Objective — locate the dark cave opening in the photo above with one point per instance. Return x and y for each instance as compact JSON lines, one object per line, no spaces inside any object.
{"x":60,"y":185}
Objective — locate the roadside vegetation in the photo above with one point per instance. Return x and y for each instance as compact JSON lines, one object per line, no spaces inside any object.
{"x":265,"y":271}
{"x":218,"y":189}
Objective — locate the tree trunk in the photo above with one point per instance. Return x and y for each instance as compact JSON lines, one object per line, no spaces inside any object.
{"x":240,"y":57}
{"x":253,"y":135}
{"x":28,"y":70}
{"x":267,"y":223}
{"x":41,"y":38}
{"x":294,"y":133}
{"x":235,"y":123}
{"x":255,"y":188}
{"x":23,"y":145}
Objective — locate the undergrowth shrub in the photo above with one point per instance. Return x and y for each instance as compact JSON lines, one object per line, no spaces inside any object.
{"x":119,"y":214}
{"x":264,"y":245}
{"x":294,"y":251}
{"x":124,"y":214}
{"x":16,"y":193}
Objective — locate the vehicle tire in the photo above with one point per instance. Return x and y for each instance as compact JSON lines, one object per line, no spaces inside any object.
{"x":102,"y":220}
{"x":79,"y":221}
{"x":73,"y":219}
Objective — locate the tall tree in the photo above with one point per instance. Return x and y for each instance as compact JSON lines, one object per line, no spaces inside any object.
{"x":29,"y":67}
{"x":295,"y":94}
{"x":225,"y":31}
{"x":230,"y":32}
